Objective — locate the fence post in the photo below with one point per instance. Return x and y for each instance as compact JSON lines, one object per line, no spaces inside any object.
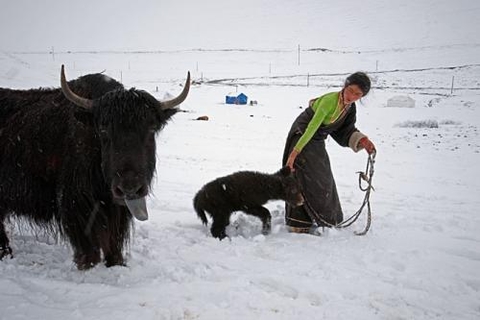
{"x":451,"y":89}
{"x":298,"y":55}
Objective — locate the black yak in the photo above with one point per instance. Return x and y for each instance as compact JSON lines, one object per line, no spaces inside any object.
{"x":83,"y":164}
{"x":245,"y":191}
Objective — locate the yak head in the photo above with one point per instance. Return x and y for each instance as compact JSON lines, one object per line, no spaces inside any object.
{"x":291,"y":187}
{"x":126,"y":122}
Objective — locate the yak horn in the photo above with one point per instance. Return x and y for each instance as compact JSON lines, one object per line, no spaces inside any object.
{"x":169,"y":104}
{"x":70,"y":95}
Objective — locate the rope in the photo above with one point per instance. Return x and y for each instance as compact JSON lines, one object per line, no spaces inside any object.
{"x":362,"y":176}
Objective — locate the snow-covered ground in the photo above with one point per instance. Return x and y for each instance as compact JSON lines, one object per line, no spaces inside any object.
{"x":421,"y":258}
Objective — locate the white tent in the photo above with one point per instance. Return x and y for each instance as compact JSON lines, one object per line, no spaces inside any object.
{"x":401,"y":102}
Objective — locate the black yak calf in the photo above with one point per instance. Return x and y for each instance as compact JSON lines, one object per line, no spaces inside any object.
{"x":245,"y":191}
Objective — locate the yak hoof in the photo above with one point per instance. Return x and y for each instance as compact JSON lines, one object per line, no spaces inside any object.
{"x":219,"y":235}
{"x":267,"y":227}
{"x":115,"y":261}
{"x":265,"y":231}
{"x":87,"y":261}
{"x":5,"y":251}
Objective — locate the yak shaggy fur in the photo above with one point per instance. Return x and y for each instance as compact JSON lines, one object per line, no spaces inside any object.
{"x":61,"y":165}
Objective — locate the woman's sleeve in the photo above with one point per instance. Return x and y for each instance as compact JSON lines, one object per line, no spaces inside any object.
{"x":312,"y":126}
{"x":348,"y":135}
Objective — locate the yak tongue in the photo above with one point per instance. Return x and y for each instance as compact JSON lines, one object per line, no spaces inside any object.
{"x":138,"y":208}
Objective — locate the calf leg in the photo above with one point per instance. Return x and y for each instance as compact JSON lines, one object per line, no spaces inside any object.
{"x":264,"y":215}
{"x":5,"y":249}
{"x":220,"y":221}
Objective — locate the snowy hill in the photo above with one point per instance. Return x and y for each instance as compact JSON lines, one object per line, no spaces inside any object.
{"x":420,"y":259}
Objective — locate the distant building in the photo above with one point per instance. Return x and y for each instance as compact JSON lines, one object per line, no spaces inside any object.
{"x":236,"y":99}
{"x":401,"y":102}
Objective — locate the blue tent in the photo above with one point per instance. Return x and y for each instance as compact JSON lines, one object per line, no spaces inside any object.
{"x":240,"y":99}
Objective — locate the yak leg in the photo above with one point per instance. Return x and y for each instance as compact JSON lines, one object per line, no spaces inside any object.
{"x":78,"y":227}
{"x":5,"y":249}
{"x":114,"y":235}
{"x":264,"y":215}
{"x":221,"y":220}
{"x":86,"y":260}
{"x":85,"y":247}
{"x":86,"y":252}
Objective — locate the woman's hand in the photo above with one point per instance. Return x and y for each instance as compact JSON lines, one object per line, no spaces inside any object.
{"x":291,"y":159}
{"x":367,"y":145}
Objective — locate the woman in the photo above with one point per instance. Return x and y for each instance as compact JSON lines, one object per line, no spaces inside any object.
{"x":332,"y":114}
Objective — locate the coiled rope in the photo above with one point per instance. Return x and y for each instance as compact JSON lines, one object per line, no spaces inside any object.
{"x":362,"y":177}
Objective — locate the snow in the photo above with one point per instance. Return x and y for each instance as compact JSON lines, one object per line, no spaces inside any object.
{"x":401,"y":102}
{"x":421,"y":257}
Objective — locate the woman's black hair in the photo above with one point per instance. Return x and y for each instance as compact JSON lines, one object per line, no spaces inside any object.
{"x":361,"y":80}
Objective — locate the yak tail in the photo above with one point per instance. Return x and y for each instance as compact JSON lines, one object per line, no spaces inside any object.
{"x":198,"y":208}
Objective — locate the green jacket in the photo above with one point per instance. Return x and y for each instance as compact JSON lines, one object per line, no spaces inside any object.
{"x":326,"y":112}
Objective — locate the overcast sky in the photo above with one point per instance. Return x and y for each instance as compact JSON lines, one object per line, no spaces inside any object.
{"x":30,"y":25}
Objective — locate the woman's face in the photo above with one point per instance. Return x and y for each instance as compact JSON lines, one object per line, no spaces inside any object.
{"x":351,"y":93}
